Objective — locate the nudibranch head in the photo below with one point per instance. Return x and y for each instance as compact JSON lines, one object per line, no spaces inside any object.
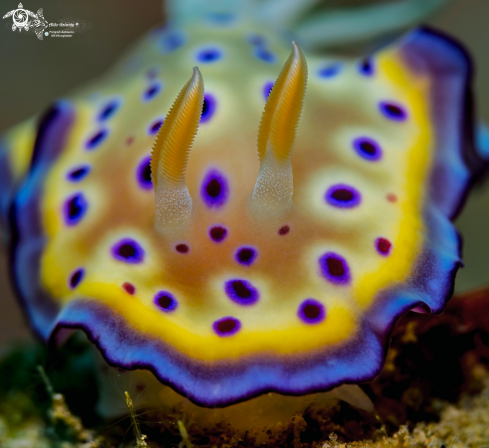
{"x":229,"y":273}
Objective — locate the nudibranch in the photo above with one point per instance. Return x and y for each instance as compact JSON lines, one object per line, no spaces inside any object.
{"x":228,"y":264}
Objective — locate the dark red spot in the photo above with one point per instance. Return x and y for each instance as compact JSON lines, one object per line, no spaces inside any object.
{"x":284,"y":230}
{"x":342,"y":194}
{"x":129,"y":288}
{"x":311,"y":311}
{"x":129,"y":140}
{"x":383,"y":245}
{"x":391,"y":197}
{"x":335,"y":267}
{"x":182,"y":248}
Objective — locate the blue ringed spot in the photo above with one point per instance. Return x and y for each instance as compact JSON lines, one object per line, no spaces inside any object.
{"x":76,"y":277}
{"x":152,"y":73}
{"x":172,"y":41}
{"x":152,"y":91}
{"x":78,"y":174}
{"x":221,"y":18}
{"x":241,"y":292}
{"x":343,"y":196}
{"x":155,"y":127}
{"x":329,"y":71}
{"x":366,"y":67}
{"x":209,"y":55}
{"x":311,"y":311}
{"x":143,"y":174}
{"x":267,"y":89}
{"x":165,"y":301}
{"x":214,"y":190}
{"x":218,"y":233}
{"x":227,"y":326}
{"x":128,"y":251}
{"x":383,"y":246}
{"x":246,"y":255}
{"x":367,"y":148}
{"x":257,"y":40}
{"x":74,"y":209}
{"x":264,"y":55}
{"x":96,"y":139}
{"x":208,"y":108}
{"x":334,"y":268}
{"x":109,"y":110}
{"x":392,"y":111}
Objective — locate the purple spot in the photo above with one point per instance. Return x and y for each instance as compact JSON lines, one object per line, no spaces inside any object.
{"x":242,"y":292}
{"x":383,"y":246}
{"x":245,"y":255}
{"x":393,"y":111}
{"x":172,"y":41}
{"x":128,"y":251}
{"x":284,"y":230}
{"x":74,"y":209}
{"x":109,"y":110}
{"x":329,"y":71}
{"x":214,"y":189}
{"x":96,"y":139}
{"x":267,"y":89}
{"x":155,"y":127}
{"x":366,"y":67}
{"x":264,"y":55}
{"x":208,"y":55}
{"x":334,"y":268}
{"x":208,"y":108}
{"x":182,"y":248}
{"x":218,"y":233}
{"x":343,"y":196}
{"x":76,"y":278}
{"x":129,"y":288}
{"x":227,"y":326}
{"x":152,"y":91}
{"x":143,"y":174}
{"x":311,"y":311}
{"x":78,"y":174}
{"x":165,"y":301}
{"x":367,"y":148}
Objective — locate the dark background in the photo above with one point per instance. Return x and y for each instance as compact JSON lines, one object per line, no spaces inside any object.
{"x":33,"y":73}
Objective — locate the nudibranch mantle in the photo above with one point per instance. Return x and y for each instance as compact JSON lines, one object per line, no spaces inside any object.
{"x":238,"y":305}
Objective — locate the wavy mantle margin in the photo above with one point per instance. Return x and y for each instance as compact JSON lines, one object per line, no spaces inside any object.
{"x":222,"y":383}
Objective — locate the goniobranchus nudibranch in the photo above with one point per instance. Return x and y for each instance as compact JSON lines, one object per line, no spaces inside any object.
{"x":231,"y":266}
